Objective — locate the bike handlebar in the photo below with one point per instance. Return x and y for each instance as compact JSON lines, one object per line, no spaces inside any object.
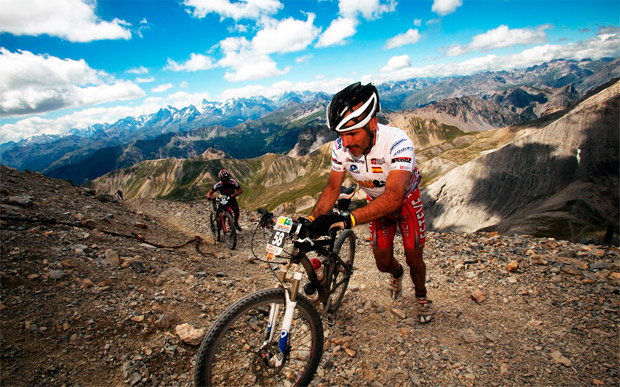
{"x":298,"y":229}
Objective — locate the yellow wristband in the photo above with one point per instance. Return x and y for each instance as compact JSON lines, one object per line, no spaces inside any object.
{"x":352,"y":220}
{"x":311,"y":217}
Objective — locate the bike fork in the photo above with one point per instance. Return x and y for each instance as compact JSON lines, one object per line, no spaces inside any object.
{"x":291,"y":303}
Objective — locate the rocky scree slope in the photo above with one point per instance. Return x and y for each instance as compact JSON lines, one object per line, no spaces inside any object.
{"x":87,"y":299}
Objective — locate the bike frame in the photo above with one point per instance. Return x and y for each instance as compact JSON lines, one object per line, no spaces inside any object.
{"x":220,"y":210}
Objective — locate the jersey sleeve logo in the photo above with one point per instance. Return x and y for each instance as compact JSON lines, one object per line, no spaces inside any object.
{"x":403,"y":150}
{"x":396,"y":144}
{"x":402,"y":160}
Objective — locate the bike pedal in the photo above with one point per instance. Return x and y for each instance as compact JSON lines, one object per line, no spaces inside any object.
{"x":329,"y":320}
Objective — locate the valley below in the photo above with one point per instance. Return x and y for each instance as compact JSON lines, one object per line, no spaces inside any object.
{"x":93,"y":288}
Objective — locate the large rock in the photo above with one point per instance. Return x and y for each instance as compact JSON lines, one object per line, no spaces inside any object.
{"x":188,"y":334}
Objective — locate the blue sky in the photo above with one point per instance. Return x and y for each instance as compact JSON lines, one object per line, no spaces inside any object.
{"x":73,"y":63}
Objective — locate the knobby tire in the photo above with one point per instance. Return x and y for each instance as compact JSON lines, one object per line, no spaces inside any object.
{"x":344,"y":247}
{"x":229,"y":230}
{"x":231,"y":354}
{"x":214,"y":227}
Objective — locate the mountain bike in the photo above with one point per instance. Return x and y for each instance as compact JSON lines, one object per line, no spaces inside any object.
{"x":275,"y":336}
{"x":222,"y":220}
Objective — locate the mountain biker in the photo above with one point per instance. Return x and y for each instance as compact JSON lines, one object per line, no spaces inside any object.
{"x":381,"y":158}
{"x":229,"y":187}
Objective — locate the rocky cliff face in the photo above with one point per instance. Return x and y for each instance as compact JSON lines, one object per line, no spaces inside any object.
{"x":557,"y":179}
{"x":509,"y":107}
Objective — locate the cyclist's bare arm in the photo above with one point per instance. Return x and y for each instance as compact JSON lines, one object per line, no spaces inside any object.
{"x":330,"y":194}
{"x":386,"y":203}
{"x":238,"y":192}
{"x":210,"y":194}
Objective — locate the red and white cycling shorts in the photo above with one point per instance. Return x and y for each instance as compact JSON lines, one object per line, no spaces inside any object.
{"x":410,"y":220}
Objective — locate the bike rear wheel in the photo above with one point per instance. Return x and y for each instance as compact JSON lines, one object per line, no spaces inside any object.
{"x":343,"y":268}
{"x":233,"y":353}
{"x":228,"y":228}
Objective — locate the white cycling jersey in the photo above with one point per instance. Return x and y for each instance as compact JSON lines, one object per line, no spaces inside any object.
{"x":393,"y":150}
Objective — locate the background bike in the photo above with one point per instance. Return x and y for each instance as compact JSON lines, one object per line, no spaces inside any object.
{"x":275,"y":336}
{"x":222,"y":220}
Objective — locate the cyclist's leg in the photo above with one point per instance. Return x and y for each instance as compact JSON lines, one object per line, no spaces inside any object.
{"x":382,"y":232}
{"x":235,"y":207}
{"x":412,"y":226}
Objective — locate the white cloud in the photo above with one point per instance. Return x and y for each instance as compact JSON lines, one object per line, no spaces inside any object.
{"x":73,"y":20}
{"x":39,"y":83}
{"x":183,"y":85}
{"x":501,"y":37}
{"x":338,"y":31}
{"x":410,"y":37}
{"x":417,"y":22}
{"x":242,"y":28}
{"x":288,"y":35}
{"x":445,"y":7}
{"x":195,"y":62}
{"x":303,"y":59}
{"x":262,"y":68}
{"x":397,"y":63}
{"x":244,"y":62}
{"x":247,"y":60}
{"x":244,"y":9}
{"x":369,"y":9}
{"x":144,"y":80}
{"x":161,"y":88}
{"x":601,"y":46}
{"x":138,"y":70}
{"x":346,"y":24}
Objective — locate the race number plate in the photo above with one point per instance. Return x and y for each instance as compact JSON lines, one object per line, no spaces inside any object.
{"x":276,"y":241}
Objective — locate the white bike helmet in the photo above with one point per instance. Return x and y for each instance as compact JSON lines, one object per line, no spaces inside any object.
{"x":341,"y":112}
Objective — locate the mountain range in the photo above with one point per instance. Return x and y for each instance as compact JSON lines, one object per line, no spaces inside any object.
{"x":294,"y":123}
{"x":556,"y":176}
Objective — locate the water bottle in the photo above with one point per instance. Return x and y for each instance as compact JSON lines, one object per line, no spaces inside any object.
{"x":317,"y":265}
{"x":311,"y":292}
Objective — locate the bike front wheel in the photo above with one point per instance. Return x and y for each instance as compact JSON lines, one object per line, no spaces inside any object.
{"x":343,"y":268}
{"x":214,"y":226}
{"x":228,"y":228}
{"x":235,"y":351}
